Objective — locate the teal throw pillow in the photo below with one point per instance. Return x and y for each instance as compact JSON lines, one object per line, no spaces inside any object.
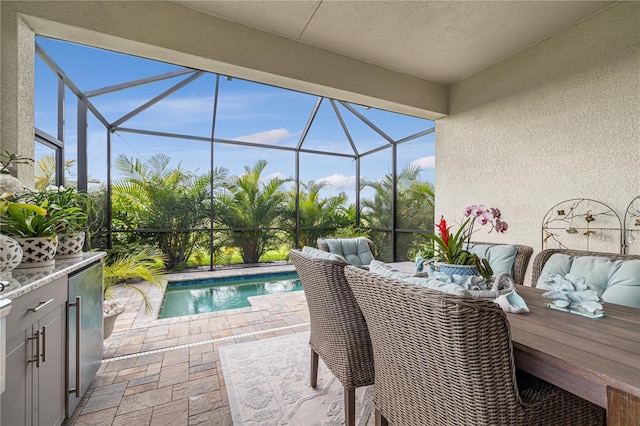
{"x":500,"y":257}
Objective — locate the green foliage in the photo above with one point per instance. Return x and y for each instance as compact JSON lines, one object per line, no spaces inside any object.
{"x":449,"y":248}
{"x":247,"y":202}
{"x":146,"y":264}
{"x":45,"y":172}
{"x":67,"y":203}
{"x":29,"y":222}
{"x":414,"y":206}
{"x":166,"y":201}
{"x":315,"y":212}
{"x":350,"y":231}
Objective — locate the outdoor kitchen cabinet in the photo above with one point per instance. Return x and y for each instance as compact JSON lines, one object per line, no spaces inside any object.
{"x":35,"y":360}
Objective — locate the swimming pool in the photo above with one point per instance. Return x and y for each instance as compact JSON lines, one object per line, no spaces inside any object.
{"x":218,"y":294}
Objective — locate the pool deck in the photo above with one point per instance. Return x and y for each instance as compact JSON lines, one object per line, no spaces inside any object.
{"x":167,"y":371}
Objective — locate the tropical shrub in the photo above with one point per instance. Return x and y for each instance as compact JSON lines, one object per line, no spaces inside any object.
{"x":414,"y":207}
{"x":167,"y":203}
{"x":323,"y":215}
{"x":245,"y":201}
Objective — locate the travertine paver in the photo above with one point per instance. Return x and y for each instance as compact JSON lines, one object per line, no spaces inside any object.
{"x":183,"y":386}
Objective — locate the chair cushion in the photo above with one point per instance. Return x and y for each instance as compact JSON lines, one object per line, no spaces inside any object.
{"x":385,"y":270}
{"x":321,"y":254}
{"x":500,"y":257}
{"x":355,"y":250}
{"x":617,"y":281}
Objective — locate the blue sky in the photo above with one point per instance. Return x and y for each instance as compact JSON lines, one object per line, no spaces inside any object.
{"x":247,"y":111}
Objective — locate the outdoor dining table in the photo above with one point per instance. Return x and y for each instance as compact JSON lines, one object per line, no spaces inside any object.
{"x":596,"y":359}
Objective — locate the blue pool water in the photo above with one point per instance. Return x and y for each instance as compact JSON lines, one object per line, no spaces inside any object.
{"x":218,"y":294}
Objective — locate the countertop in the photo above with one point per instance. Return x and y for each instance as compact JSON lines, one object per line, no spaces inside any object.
{"x":23,"y":281}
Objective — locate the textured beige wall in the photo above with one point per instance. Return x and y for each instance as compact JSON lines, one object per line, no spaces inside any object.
{"x":17,"y":91}
{"x":559,"y":120}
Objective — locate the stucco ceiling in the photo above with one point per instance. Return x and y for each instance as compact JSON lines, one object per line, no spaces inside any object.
{"x":439,"y":41}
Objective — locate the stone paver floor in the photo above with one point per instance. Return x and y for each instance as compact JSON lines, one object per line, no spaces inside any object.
{"x":167,"y":371}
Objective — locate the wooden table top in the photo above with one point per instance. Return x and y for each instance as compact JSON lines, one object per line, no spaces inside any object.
{"x":586,"y":354}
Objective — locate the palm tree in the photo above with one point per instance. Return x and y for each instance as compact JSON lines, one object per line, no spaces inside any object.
{"x":248,"y":202}
{"x":415,"y":201}
{"x":317,"y":212}
{"x":166,"y":201}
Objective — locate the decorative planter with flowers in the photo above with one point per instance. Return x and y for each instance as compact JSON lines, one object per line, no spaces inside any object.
{"x":71,"y":232}
{"x":38,"y":234}
{"x":450,"y":255}
{"x":14,"y":211}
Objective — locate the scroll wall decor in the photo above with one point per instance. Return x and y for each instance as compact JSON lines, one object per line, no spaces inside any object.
{"x":632,"y":228}
{"x":583,"y":224}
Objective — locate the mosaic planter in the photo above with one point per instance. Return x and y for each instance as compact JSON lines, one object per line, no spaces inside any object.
{"x":37,"y":251}
{"x":70,"y":246}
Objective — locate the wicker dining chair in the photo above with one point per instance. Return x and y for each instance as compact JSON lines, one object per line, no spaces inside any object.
{"x":339,"y":332}
{"x":448,"y":360}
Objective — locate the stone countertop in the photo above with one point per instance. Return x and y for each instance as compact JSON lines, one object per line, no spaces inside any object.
{"x":23,"y":281}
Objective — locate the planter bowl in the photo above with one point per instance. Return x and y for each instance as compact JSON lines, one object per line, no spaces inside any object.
{"x":37,"y":251}
{"x":108,"y":322}
{"x":70,"y":246}
{"x":451,"y":269}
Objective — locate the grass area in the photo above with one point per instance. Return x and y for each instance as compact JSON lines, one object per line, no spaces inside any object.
{"x":231,"y":255}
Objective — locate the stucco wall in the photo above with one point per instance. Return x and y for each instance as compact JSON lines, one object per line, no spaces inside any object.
{"x":559,"y":120}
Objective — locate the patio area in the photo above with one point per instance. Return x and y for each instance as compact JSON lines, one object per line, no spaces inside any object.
{"x":167,"y":371}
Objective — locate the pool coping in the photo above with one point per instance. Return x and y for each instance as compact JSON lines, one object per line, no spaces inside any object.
{"x":229,"y":272}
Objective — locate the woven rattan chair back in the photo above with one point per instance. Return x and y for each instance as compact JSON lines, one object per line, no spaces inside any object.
{"x":448,"y":360}
{"x":338,"y":331}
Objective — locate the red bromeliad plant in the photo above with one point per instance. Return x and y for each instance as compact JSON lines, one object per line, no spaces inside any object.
{"x":451,"y":248}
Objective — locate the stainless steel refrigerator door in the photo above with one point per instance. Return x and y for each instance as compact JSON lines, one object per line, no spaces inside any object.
{"x":84,"y":343}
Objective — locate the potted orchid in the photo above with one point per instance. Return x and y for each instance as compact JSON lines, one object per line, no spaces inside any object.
{"x":450,"y":249}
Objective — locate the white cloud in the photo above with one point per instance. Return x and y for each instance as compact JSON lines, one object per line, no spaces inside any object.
{"x":425,"y":163}
{"x":339,"y":181}
{"x":266,"y":137}
{"x":275,"y":175}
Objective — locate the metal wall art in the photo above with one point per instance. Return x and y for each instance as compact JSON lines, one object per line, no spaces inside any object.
{"x":583,"y":224}
{"x":631,"y":244}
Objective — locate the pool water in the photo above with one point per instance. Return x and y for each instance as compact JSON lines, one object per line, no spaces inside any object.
{"x":219,"y":294}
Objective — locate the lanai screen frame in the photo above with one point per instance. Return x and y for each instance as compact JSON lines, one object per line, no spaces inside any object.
{"x":85,"y":106}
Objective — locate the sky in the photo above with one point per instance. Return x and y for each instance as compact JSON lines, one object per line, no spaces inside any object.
{"x":247,"y":111}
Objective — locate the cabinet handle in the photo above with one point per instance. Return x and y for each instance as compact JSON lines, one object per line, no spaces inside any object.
{"x":76,"y":390}
{"x":36,"y":359}
{"x":44,"y":343}
{"x":40,"y":306}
